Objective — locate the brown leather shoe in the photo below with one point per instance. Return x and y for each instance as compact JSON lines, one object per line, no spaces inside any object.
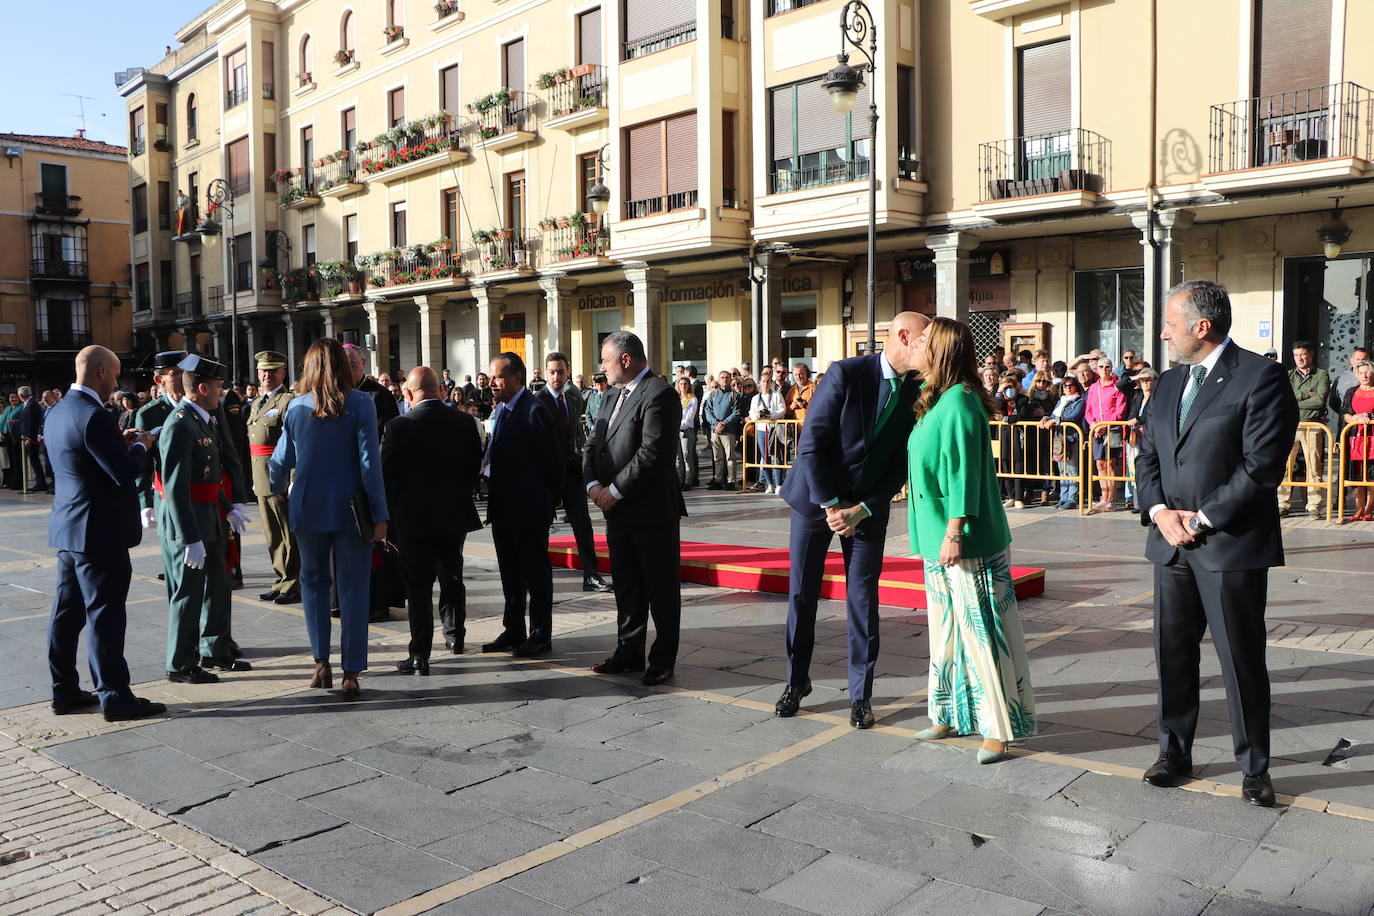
{"x":349,"y":685}
{"x":324,"y":676}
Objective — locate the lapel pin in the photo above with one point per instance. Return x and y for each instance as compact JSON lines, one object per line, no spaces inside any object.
{"x":1220,"y":379}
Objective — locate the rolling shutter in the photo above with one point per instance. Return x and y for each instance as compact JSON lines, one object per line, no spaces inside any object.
{"x":514,"y":54}
{"x":680,"y":142}
{"x":780,"y":109}
{"x":589,"y":36}
{"x":645,"y":18}
{"x":646,"y":160}
{"x":1046,"y":103}
{"x":1293,"y":45}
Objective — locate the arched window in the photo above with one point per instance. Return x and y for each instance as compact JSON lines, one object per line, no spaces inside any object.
{"x":192,"y":122}
{"x":307,"y":66}
{"x":348,"y":33}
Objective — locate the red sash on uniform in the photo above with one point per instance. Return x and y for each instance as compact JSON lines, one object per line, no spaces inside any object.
{"x":222,"y":493}
{"x":261,"y":451}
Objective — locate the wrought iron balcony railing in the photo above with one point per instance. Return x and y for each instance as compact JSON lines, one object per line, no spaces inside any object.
{"x":409,"y":268}
{"x":235,"y":96}
{"x":1067,"y":160}
{"x":648,"y":206}
{"x":783,"y":180}
{"x":659,"y":40}
{"x":60,"y":269}
{"x":215,"y":300}
{"x":189,"y":304}
{"x":786,"y":6}
{"x":585,"y":90}
{"x":506,"y":249}
{"x":568,"y":243}
{"x":56,"y":204}
{"x":1289,"y":127}
{"x":511,"y":112}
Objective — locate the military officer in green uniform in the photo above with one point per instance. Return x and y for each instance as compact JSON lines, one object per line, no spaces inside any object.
{"x":152,"y":416}
{"x":266,"y":413}
{"x":195,"y":504}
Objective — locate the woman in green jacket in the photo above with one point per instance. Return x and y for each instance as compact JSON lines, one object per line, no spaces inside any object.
{"x":979,"y":678}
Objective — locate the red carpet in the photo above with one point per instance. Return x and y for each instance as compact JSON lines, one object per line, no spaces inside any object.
{"x":759,"y":569}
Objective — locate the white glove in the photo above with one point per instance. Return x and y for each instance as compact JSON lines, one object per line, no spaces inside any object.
{"x":238,"y":518}
{"x":147,"y":517}
{"x":195,"y":555}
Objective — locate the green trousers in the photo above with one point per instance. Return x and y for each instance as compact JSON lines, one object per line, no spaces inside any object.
{"x":198,"y":602}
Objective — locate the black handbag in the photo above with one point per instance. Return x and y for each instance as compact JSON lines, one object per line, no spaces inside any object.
{"x":362,"y":515}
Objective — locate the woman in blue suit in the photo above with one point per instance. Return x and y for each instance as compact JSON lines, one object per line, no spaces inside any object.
{"x":329,"y":436}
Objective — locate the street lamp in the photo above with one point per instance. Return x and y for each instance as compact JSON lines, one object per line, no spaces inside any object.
{"x":843,"y":82}
{"x":598,"y":195}
{"x":220,"y":196}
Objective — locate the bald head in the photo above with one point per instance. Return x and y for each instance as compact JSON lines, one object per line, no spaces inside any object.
{"x":422,"y":383}
{"x":97,"y":368}
{"x":906,"y":328}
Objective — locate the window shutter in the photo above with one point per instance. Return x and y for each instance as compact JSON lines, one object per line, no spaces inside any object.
{"x":449,"y":89}
{"x":727,"y":158}
{"x":589,"y":36}
{"x":781,"y":111}
{"x":680,"y":142}
{"x":819,"y":126}
{"x":515,"y":65}
{"x":397,"y":98}
{"x":644,"y":18}
{"x":646,"y":161}
{"x":1293,"y":46}
{"x":1046,"y":103}
{"x":859,"y":116}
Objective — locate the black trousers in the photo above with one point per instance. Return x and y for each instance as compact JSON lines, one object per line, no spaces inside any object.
{"x":1188,"y":600}
{"x":522,"y":556}
{"x":92,"y":590}
{"x":422,"y":561}
{"x":647,"y":571}
{"x":575,"y":504}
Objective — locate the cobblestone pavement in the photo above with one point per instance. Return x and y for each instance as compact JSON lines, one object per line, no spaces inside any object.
{"x":500,"y":786}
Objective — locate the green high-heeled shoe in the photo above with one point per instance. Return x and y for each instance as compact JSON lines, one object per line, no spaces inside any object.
{"x":935,"y":733}
{"x":986,"y":756}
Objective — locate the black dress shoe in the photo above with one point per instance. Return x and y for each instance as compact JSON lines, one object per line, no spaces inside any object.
{"x":416,"y":666}
{"x":193,"y":675}
{"x":137,"y":708}
{"x":791,"y":698}
{"x":655,"y":676}
{"x":269,"y":596}
{"x":234,"y":650}
{"x":74,"y":702}
{"x":861,"y":714}
{"x":1169,"y":769}
{"x":287,"y":599}
{"x":1258,"y":790}
{"x":532,"y":648}
{"x":224,"y":664}
{"x":455,"y":647}
{"x":594,"y":583}
{"x":615,"y":665}
{"x":503,"y":643}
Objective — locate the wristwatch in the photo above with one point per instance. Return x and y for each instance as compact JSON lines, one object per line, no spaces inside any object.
{"x":1195,"y":525}
{"x":952,"y":536}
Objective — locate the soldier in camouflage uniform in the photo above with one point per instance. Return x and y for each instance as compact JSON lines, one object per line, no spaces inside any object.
{"x":266,"y":413}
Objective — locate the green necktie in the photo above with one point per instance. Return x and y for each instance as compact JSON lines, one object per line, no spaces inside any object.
{"x":1199,"y":374}
{"x":890,"y":406}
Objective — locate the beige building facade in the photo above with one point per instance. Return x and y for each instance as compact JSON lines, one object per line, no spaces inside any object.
{"x":413,"y":175}
{"x":64,"y":263}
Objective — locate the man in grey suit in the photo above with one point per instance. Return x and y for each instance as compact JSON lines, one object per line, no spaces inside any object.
{"x":630,"y":470}
{"x":565,"y":403}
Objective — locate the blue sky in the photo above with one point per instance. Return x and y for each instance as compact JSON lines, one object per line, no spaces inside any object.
{"x":75,"y":46}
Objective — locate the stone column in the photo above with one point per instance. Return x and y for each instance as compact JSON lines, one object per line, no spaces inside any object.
{"x":951,"y":272}
{"x":646,"y":288}
{"x":379,"y":327}
{"x":218,"y":343}
{"x":770,"y":307}
{"x":327,"y":317}
{"x":1163,"y":269}
{"x":251,"y":341}
{"x":293,"y":368}
{"x":558,"y":290}
{"x":432,"y":347}
{"x":490,"y":303}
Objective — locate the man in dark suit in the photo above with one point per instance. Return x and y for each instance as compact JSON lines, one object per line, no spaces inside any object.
{"x":31,"y":429}
{"x":431,"y":456}
{"x":93,"y":523}
{"x":1208,"y":472}
{"x":630,"y":471}
{"x":565,"y":403}
{"x":524,"y":468}
{"x":851,"y":460}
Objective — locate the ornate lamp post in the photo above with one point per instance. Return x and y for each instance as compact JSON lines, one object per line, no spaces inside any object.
{"x":220,"y":196}
{"x":843,"y":82}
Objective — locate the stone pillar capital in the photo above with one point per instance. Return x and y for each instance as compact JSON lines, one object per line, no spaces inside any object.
{"x":951,"y":244}
{"x":557,"y":285}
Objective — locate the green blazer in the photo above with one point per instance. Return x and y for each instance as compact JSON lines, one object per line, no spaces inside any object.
{"x":952,"y":475}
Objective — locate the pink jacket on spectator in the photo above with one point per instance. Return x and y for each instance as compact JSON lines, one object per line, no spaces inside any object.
{"x":1105,"y":402}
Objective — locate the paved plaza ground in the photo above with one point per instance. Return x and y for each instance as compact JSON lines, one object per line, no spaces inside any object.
{"x":531,"y":787}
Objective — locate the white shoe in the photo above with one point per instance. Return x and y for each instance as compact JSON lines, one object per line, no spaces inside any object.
{"x":775,"y":489}
{"x":1020,"y":504}
{"x":1008,"y":503}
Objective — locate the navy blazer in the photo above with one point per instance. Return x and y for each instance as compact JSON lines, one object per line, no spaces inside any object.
{"x":526,"y":465}
{"x":31,"y":418}
{"x":1227,"y":461}
{"x":95,"y":500}
{"x":333,"y":460}
{"x":837,"y":438}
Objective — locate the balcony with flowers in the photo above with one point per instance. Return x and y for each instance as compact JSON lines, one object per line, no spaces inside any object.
{"x":295,"y":189}
{"x":299,"y":284}
{"x":395,"y":39}
{"x":345,"y":61}
{"x":446,"y":14}
{"x":340,"y":281}
{"x":577,"y":96}
{"x":336,"y":175}
{"x":413,"y":148}
{"x":504,"y":118}
{"x":575,"y":240}
{"x":412,"y":271}
{"x":501,"y":253}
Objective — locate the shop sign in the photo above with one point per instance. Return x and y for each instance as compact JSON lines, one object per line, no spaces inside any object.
{"x":604,"y":298}
{"x":983,"y":296}
{"x":982,"y":264}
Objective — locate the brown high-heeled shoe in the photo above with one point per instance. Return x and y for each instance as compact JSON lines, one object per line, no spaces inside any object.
{"x":349,"y":685}
{"x":324,"y":677}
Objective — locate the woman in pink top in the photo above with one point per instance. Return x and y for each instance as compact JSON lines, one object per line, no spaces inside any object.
{"x":1105,"y":403}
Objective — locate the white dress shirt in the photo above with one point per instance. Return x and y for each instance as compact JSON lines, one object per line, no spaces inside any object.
{"x":624,"y":396}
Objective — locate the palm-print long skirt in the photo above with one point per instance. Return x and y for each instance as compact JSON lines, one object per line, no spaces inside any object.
{"x":979,"y":676}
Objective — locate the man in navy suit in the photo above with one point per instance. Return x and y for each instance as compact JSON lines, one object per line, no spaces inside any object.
{"x":93,"y":524}
{"x":524,"y":466}
{"x":851,"y":460}
{"x":31,"y":429}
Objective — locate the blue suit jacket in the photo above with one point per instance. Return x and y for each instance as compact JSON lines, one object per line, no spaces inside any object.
{"x":526,"y":464}
{"x":95,"y":501}
{"x":333,"y":459}
{"x":837,"y":439}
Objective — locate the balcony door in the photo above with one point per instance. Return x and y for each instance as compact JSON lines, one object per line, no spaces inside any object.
{"x":1292,"y":108}
{"x":1044,"y":112}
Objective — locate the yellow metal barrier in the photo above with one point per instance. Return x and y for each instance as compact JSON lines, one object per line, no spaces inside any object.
{"x":1116,"y":436}
{"x":1313,"y":442}
{"x":781,"y":445}
{"x":1356,"y":444}
{"x":1024,"y":451}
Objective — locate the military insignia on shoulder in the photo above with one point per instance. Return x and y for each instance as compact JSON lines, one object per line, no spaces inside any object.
{"x":181,"y":415}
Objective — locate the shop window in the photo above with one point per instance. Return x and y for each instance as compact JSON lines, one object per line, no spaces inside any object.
{"x":1110,"y":307}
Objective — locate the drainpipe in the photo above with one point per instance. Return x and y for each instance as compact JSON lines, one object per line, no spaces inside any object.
{"x":1154,"y":311}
